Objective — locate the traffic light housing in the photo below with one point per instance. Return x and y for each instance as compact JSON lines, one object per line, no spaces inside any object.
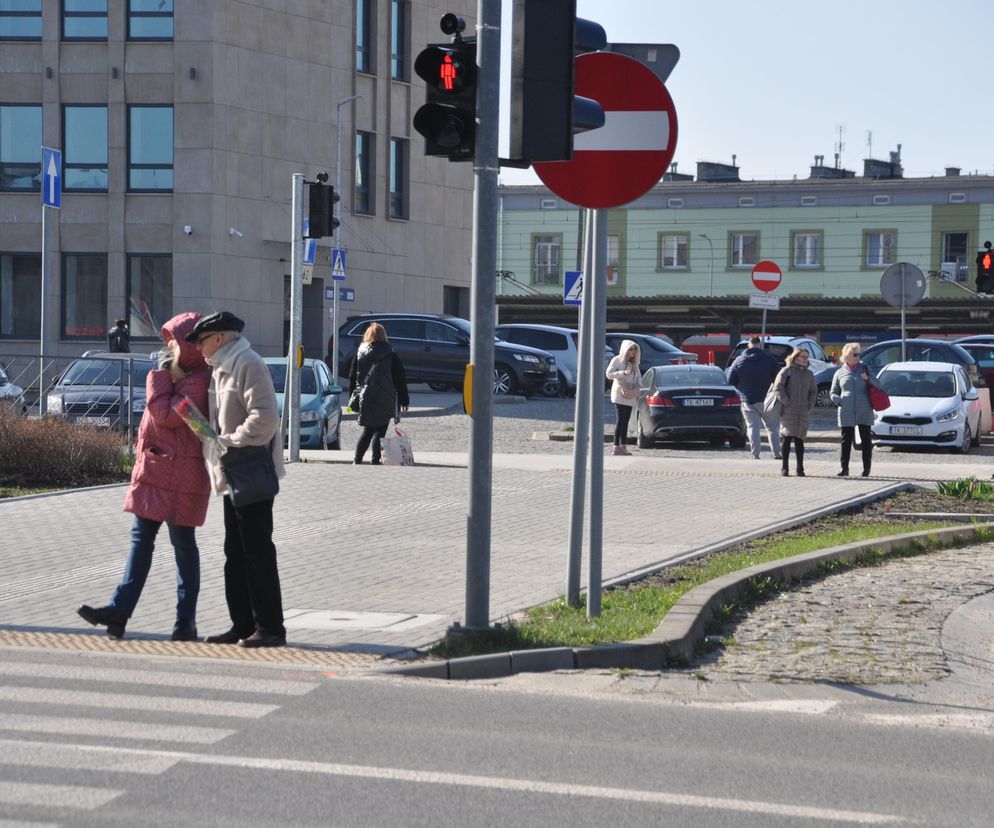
{"x":448,"y":118}
{"x":545,"y":112}
{"x":321,"y":218}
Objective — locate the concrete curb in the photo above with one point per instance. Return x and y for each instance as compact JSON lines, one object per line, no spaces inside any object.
{"x":567,"y":437}
{"x":675,"y":640}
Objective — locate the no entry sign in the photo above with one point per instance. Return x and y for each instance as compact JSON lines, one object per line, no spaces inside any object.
{"x":627,"y":156}
{"x":766,"y":275}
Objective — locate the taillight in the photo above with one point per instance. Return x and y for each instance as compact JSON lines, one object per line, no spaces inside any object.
{"x":680,"y":361}
{"x":730,"y":401}
{"x":661,"y":402}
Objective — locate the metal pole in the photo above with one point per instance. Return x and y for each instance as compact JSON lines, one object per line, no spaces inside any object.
{"x":482,"y":332}
{"x":338,"y":232}
{"x":597,"y":285}
{"x":762,"y":333}
{"x":41,"y":331}
{"x":587,"y":373}
{"x":291,"y":396}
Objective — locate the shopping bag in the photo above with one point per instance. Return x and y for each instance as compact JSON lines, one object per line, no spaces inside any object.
{"x":397,"y":449}
{"x":879,"y":399}
{"x":772,"y":404}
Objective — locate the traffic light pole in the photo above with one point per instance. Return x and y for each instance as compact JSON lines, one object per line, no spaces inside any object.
{"x":291,"y":396}
{"x":484,"y":292}
{"x":338,"y":233}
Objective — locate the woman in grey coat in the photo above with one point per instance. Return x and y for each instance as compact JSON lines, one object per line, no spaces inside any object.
{"x":851,"y":393}
{"x":797,"y":390}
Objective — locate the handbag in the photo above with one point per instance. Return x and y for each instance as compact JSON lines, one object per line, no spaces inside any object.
{"x":355,"y":399}
{"x":879,"y":399}
{"x":250,"y":473}
{"x":772,"y":404}
{"x":397,"y":449}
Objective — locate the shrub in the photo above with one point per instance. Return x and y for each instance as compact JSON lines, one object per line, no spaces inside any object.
{"x":968,"y":488}
{"x":50,"y":452}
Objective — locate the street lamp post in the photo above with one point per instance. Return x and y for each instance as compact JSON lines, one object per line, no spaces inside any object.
{"x":337,"y":237}
{"x":710,"y":265}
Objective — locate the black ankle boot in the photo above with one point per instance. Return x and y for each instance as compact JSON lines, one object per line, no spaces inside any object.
{"x":104,"y":616}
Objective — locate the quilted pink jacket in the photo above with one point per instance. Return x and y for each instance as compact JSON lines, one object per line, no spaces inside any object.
{"x":169,"y":481}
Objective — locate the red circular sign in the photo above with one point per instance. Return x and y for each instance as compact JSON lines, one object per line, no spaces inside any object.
{"x":766,"y":275}
{"x":627,"y":156}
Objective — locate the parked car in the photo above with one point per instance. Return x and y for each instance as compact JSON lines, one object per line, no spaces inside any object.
{"x":11,"y":395}
{"x":931,"y":404}
{"x":689,"y":402}
{"x":560,"y":342}
{"x":983,"y":352}
{"x":655,"y":351}
{"x":780,"y":348}
{"x":96,"y":390}
{"x":320,"y":406}
{"x":435,"y":350}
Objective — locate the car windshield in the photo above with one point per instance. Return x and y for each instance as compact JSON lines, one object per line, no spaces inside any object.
{"x":278,"y":373}
{"x":689,"y":378}
{"x":658,"y":344}
{"x":103,"y":372}
{"x":918,"y":383}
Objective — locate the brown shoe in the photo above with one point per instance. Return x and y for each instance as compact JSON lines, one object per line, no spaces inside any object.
{"x":261,"y":639}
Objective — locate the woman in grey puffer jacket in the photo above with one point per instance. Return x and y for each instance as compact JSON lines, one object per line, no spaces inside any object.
{"x":797,"y":390}
{"x":851,"y":393}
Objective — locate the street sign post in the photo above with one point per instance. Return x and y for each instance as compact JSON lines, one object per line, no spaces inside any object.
{"x":902,"y":285}
{"x":626,"y":157}
{"x":766,"y":277}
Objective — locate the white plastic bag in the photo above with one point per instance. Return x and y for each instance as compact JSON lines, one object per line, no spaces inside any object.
{"x":397,"y":449}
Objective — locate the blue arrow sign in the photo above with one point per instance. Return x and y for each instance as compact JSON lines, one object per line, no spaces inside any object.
{"x":573,"y":288}
{"x":51,"y":177}
{"x":310,"y":248}
{"x":338,"y":264}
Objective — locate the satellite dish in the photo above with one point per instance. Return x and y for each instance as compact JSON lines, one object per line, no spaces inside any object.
{"x":902,"y":285}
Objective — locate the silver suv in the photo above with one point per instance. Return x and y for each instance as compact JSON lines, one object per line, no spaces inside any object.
{"x":560,"y":342}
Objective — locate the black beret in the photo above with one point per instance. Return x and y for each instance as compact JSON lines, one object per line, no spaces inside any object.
{"x":214,"y":323}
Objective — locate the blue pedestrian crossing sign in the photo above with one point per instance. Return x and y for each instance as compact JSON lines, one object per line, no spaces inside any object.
{"x":51,"y":177}
{"x":573,"y":288}
{"x":338,"y":264}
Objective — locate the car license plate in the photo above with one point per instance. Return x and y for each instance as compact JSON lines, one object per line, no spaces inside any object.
{"x":699,"y":402}
{"x":910,"y":431}
{"x":94,"y":421}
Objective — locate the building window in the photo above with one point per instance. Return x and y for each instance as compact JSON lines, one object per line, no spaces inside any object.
{"x":673,"y":251}
{"x":20,"y":20}
{"x":20,"y":148}
{"x":150,"y":294}
{"x":957,"y":198}
{"x":84,"y":296}
{"x":398,"y":178}
{"x":84,"y":139}
{"x":806,"y":249}
{"x":747,"y":201}
{"x":20,"y":295}
{"x":613,"y":260}
{"x":150,"y":19}
{"x":881,"y":200}
{"x":84,"y":19}
{"x":954,"y":252}
{"x":809,"y":201}
{"x":546,"y":258}
{"x":879,"y":246}
{"x":364,"y":36}
{"x":399,"y":39}
{"x":364,"y":173}
{"x":674,"y":203}
{"x":150,"y":148}
{"x":743,"y":249}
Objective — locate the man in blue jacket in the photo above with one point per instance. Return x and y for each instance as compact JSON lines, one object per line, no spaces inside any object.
{"x":752,"y":374}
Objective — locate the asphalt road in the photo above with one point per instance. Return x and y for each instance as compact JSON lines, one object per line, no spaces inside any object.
{"x":116,"y":740}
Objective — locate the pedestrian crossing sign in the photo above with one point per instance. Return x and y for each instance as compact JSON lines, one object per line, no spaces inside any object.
{"x":573,"y":288}
{"x":338,"y":264}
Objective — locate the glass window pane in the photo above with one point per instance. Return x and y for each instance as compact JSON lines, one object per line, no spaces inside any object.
{"x":150,"y":294}
{"x":150,"y":162}
{"x":20,"y":19}
{"x":84,"y":296}
{"x":398,"y":39}
{"x":20,"y":147}
{"x":20,"y":296}
{"x":363,"y":62}
{"x":85,"y":142}
{"x":151,"y":28}
{"x":398,"y":178}
{"x":363,"y":172}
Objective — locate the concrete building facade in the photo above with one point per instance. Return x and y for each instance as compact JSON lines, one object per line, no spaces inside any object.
{"x":181,"y":125}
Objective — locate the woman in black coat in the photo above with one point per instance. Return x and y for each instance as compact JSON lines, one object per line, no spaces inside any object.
{"x":379,"y":375}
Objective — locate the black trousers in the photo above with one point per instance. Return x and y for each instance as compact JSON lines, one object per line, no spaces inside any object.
{"x":621,"y":427}
{"x":251,"y":580}
{"x":370,"y":434}
{"x":848,"y":437}
{"x":798,"y":451}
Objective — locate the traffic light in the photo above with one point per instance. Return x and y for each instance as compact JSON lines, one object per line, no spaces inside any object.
{"x":448,"y":118}
{"x":545,"y":113}
{"x":321,"y":200}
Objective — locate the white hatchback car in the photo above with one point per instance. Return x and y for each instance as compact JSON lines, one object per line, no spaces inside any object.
{"x":931,"y":404}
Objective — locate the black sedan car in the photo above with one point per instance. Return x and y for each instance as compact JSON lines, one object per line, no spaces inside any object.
{"x":689,"y":402}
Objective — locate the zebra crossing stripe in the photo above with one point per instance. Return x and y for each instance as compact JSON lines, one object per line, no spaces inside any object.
{"x":113,"y":729}
{"x":69,"y":757}
{"x":119,"y":701}
{"x":55,"y":796}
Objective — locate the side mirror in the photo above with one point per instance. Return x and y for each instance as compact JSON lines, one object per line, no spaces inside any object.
{"x":334,"y":389}
{"x":463,"y":337}
{"x":971,"y":395}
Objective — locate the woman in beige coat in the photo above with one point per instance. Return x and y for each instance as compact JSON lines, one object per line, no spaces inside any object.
{"x":797,"y":390}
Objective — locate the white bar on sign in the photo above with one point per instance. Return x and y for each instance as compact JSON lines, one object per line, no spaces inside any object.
{"x":627,"y":131}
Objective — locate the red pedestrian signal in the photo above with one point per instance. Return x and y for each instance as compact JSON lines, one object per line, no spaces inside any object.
{"x":448,"y":118}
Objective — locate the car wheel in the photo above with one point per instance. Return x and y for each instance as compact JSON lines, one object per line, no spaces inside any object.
{"x":556,"y":388}
{"x":966,"y":442}
{"x":439,"y":386}
{"x":504,"y":381}
{"x":643,"y":441}
{"x":976,"y":437}
{"x":716,"y":441}
{"x":323,"y":439}
{"x":824,"y":399}
{"x":738,"y":441}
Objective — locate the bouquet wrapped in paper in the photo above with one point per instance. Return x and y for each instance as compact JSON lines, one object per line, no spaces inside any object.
{"x":198,"y":423}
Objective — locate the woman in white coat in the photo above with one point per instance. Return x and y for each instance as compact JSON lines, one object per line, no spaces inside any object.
{"x":625,"y":388}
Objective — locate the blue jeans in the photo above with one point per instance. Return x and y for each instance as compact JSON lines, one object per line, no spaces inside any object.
{"x":143,"y":532}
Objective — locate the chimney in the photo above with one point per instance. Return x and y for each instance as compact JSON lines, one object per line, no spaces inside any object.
{"x":952,"y":172}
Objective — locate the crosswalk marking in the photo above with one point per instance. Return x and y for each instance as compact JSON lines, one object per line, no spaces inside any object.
{"x":112,"y":729}
{"x":69,"y":757}
{"x":10,"y":823}
{"x":163,"y":679}
{"x":55,"y":796}
{"x":120,"y":701}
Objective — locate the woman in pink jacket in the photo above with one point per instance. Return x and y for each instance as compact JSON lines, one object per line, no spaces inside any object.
{"x":169,"y":484}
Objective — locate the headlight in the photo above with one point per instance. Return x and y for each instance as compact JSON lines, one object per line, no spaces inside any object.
{"x":54,"y":404}
{"x":308,"y":416}
{"x":947,"y":416}
{"x":528,"y":358}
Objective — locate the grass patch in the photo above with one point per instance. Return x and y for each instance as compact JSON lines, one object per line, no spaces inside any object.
{"x":968,"y":488}
{"x":635,"y":610}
